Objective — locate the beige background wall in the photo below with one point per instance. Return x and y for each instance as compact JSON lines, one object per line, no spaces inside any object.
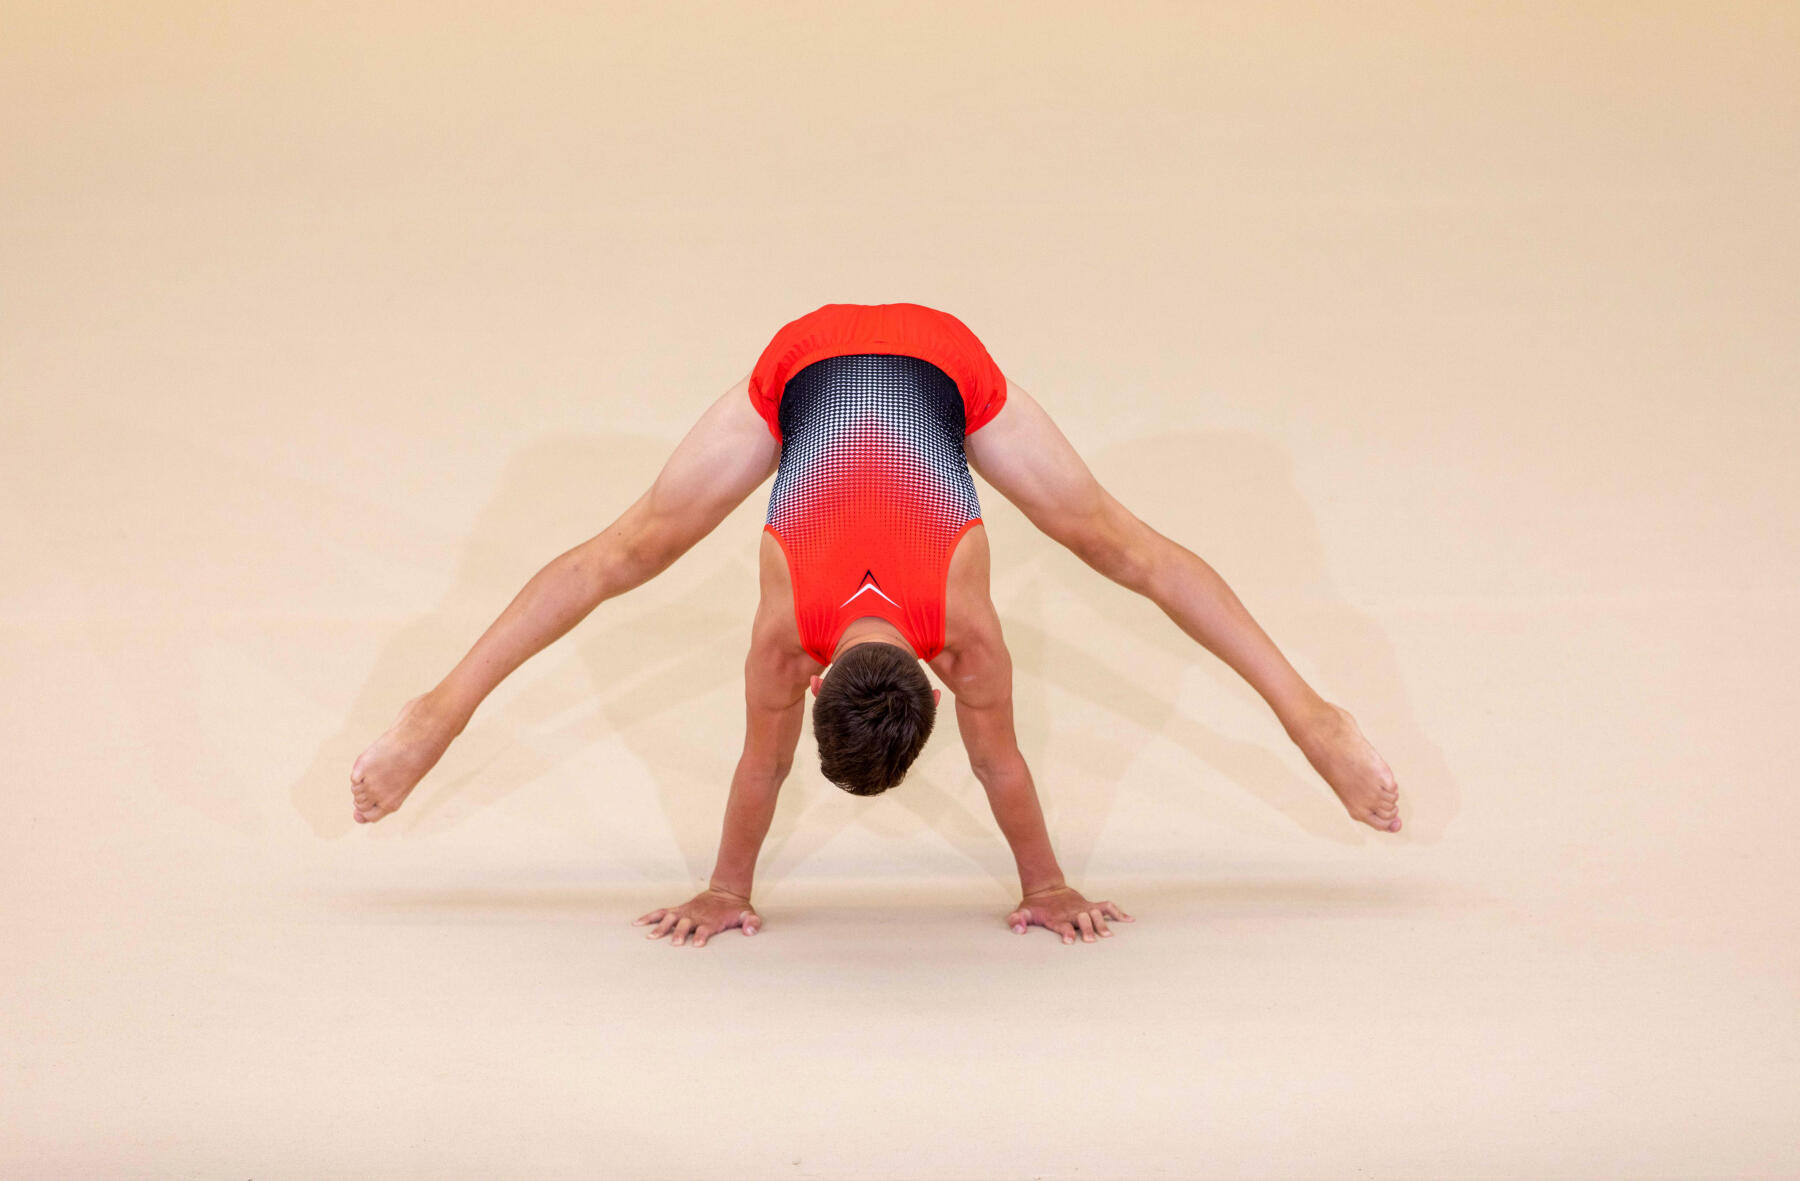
{"x":1460,"y":338}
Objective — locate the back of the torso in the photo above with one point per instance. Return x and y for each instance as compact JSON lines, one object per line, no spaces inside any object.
{"x":872,"y":495}
{"x":970,"y":621}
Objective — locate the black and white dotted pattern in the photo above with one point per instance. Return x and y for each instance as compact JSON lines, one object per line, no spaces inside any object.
{"x":897,"y":420}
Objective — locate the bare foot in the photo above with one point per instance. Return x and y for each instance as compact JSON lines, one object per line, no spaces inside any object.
{"x":385,"y":774}
{"x":1335,"y":746}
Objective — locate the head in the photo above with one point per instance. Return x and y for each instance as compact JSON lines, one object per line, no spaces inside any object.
{"x":873,"y":714}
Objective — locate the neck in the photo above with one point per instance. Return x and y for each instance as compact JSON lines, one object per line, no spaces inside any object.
{"x":869,"y":629}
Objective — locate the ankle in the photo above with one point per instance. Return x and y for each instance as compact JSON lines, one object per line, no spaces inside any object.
{"x":432,"y":714}
{"x":1317,"y":721}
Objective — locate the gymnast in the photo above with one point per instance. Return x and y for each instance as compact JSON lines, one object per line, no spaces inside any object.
{"x":873,"y":560}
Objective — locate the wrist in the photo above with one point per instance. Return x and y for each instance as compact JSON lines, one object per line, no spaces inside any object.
{"x":1031,"y":889}
{"x":742,"y":895}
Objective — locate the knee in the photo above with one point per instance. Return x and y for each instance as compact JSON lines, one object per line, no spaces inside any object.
{"x":1122,"y":554}
{"x":642,"y":551}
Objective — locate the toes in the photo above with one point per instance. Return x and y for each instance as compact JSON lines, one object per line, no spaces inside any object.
{"x":364,"y":799}
{"x":1378,"y":812}
{"x":1383,"y":822}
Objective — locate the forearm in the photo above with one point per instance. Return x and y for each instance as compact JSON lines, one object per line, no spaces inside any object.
{"x":773,"y":710}
{"x":748,"y":813}
{"x":1014,"y":800}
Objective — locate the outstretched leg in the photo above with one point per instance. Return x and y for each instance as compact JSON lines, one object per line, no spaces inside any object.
{"x":726,"y":454}
{"x":1023,"y":454}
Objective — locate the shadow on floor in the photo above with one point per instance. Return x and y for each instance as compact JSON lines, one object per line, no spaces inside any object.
{"x":651,"y":677}
{"x":1145,"y":898}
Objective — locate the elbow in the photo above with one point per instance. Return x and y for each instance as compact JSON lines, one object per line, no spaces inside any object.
{"x":763,"y":774}
{"x":997,"y":770}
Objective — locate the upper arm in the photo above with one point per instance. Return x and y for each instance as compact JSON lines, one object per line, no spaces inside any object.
{"x":776,"y":672}
{"x":978,"y":673}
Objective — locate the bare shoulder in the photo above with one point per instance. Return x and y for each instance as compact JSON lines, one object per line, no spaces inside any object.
{"x":974,"y":664}
{"x":777,"y":668}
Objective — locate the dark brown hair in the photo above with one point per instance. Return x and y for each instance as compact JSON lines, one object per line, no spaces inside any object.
{"x":872,"y":717}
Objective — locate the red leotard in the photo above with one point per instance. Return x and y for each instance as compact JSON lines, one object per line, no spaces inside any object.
{"x":871,"y":403}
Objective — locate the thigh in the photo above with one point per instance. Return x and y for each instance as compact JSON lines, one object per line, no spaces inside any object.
{"x":1030,"y":462}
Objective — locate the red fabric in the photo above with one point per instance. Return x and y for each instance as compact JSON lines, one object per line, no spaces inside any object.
{"x":900,"y":582}
{"x":909,"y":329}
{"x":875,"y":534}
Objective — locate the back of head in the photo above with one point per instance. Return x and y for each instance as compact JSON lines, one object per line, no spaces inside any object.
{"x":872,"y":717}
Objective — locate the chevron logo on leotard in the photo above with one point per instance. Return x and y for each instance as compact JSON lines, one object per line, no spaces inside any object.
{"x":868,"y":584}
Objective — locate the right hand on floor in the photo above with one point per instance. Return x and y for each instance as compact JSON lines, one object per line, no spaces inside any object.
{"x":1065,"y":912}
{"x":705,"y":914}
